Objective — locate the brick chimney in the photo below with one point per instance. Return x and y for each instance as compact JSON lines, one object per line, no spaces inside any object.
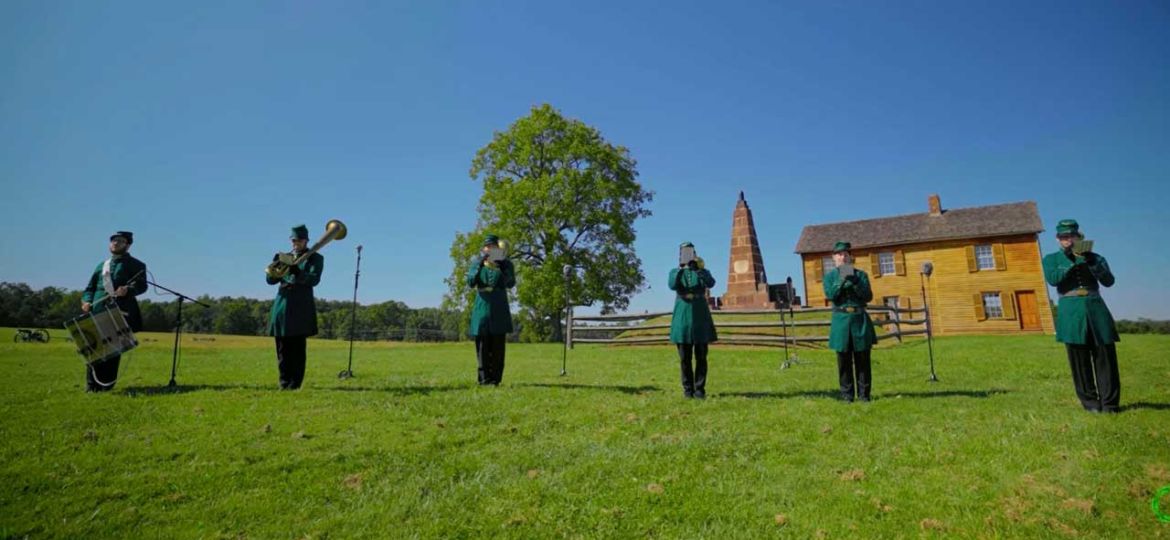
{"x":935,"y":205}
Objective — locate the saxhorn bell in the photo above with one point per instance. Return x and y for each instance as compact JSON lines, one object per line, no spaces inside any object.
{"x":334,"y":230}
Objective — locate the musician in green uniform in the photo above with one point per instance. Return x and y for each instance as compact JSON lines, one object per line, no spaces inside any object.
{"x":122,"y":278}
{"x":491,"y":274}
{"x":294,"y":312}
{"x":1083,"y":321}
{"x":691,"y":326}
{"x":851,"y":333}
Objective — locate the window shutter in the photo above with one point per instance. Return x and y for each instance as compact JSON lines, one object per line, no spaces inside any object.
{"x":905,"y":303}
{"x":980,"y":313}
{"x":875,"y":265}
{"x":818,"y":269}
{"x":899,"y":263}
{"x":1000,"y":259}
{"x":972,"y":264}
{"x":1009,"y":305}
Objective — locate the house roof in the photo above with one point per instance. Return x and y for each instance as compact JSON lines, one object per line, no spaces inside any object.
{"x":977,"y":222}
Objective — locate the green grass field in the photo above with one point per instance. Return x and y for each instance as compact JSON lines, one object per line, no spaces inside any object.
{"x":412,"y":448}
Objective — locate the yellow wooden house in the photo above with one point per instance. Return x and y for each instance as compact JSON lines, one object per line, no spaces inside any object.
{"x":987,"y":277}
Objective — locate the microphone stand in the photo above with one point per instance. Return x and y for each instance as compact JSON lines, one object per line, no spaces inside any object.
{"x":791,"y":318}
{"x":784,"y":325}
{"x":568,"y":322}
{"x":179,"y":298}
{"x":347,"y":373}
{"x":922,"y":276}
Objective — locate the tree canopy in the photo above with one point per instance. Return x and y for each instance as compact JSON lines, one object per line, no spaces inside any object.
{"x":560,"y":194}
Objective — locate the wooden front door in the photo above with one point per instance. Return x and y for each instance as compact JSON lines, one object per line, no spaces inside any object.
{"x":1029,"y":314}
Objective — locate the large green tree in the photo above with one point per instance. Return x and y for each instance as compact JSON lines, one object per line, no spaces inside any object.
{"x":560,"y":194}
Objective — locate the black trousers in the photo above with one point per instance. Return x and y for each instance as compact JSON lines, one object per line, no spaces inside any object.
{"x":290,"y":360}
{"x":101,"y":376}
{"x":1100,"y":361}
{"x":489,"y":354}
{"x":694,"y":379}
{"x":854,"y":372}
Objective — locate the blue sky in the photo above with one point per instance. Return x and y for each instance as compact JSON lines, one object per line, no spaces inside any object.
{"x":208,"y":129}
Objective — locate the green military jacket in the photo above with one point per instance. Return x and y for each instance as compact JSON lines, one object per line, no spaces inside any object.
{"x":846,"y":294}
{"x":1081,"y":310}
{"x":491,"y":314}
{"x":691,"y":322}
{"x":294,"y":312}
{"x":124,"y":270}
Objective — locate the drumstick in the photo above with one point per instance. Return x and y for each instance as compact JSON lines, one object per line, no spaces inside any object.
{"x":134,"y":278}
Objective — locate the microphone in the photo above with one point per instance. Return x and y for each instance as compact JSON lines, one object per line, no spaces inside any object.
{"x":927,"y":268}
{"x":359,"y":248}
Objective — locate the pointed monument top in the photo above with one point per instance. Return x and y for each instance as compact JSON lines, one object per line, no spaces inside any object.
{"x":741,"y":203}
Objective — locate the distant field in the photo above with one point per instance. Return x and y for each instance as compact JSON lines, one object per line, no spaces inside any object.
{"x":412,"y":448}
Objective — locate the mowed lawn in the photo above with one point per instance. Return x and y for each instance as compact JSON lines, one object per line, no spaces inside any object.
{"x":412,"y":448}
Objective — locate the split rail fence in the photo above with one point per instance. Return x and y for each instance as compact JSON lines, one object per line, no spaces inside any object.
{"x":609,"y":329}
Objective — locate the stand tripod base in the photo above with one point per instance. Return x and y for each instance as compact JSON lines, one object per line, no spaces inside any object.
{"x":345,"y":374}
{"x":932,"y":378}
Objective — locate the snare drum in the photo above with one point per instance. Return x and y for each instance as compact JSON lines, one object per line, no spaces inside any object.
{"x":101,"y":334}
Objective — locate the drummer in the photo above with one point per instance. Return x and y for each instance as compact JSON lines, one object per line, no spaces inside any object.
{"x":122,"y":278}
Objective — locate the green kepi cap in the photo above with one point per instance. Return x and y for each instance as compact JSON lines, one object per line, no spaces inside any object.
{"x":126,"y":235}
{"x":842,"y":246}
{"x":491,"y":240}
{"x":1068,"y":226}
{"x":300,"y":232}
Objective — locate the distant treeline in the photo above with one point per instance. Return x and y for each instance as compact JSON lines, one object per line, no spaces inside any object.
{"x":1143,"y":326}
{"x":50,"y":307}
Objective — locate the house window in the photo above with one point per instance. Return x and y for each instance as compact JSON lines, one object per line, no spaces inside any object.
{"x":886,"y":263}
{"x":992,"y":305}
{"x":827,"y":264}
{"x":984,"y":257}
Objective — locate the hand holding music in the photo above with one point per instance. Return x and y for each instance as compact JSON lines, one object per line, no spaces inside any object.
{"x":1081,"y":247}
{"x":86,"y":307}
{"x":121,"y":291}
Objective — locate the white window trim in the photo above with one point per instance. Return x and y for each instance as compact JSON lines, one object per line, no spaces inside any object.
{"x":990,"y":259}
{"x":987,"y":308}
{"x":893,"y":266}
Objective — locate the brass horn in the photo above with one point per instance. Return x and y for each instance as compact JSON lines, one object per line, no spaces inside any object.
{"x":334,"y":230}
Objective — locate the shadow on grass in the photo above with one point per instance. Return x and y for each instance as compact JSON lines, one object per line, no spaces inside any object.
{"x":1147,"y":405}
{"x":947,"y":393}
{"x":832,"y":394}
{"x":781,"y":395}
{"x":163,"y":389}
{"x":622,"y":389}
{"x":187,"y":388}
{"x":400,"y":390}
